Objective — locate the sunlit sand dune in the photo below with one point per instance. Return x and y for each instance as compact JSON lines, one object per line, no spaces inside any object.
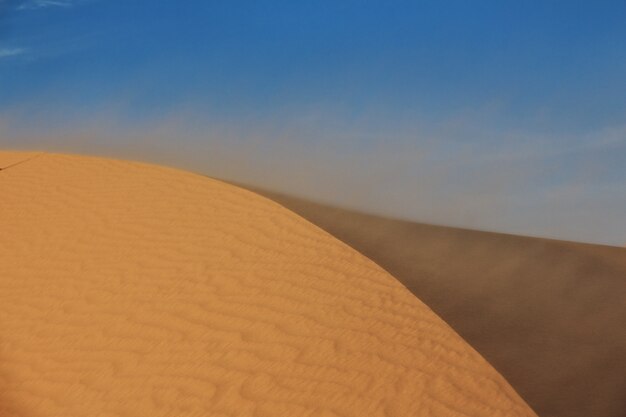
{"x":135,"y":290}
{"x":10,"y":159}
{"x":549,"y":315}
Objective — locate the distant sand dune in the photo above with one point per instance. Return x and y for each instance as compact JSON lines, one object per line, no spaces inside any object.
{"x":549,"y":315}
{"x":134,"y":290}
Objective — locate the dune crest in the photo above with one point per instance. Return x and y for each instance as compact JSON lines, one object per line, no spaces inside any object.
{"x":132,"y":290}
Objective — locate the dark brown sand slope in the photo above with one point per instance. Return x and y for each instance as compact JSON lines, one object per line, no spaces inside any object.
{"x":549,"y":315}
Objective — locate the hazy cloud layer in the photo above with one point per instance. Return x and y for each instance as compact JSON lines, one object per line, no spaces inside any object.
{"x":41,"y":4}
{"x":459,"y":173}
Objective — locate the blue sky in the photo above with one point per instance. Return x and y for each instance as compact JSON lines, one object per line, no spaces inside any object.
{"x":499,"y":115}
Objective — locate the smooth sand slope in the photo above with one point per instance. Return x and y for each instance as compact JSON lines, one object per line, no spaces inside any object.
{"x":10,"y":159}
{"x":549,"y":315}
{"x":135,"y":290}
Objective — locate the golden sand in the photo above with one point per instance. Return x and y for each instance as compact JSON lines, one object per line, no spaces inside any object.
{"x":10,"y":159}
{"x":135,"y":290}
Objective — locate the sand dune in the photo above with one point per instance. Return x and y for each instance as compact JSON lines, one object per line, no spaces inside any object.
{"x":549,"y":315}
{"x":135,"y":290}
{"x":10,"y":159}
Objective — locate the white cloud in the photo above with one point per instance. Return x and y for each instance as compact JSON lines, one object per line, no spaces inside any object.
{"x":40,"y":4}
{"x":10,"y":52}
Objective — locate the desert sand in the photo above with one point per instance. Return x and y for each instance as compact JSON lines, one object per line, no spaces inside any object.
{"x":10,"y":159}
{"x":548,"y":315}
{"x":129,"y":289}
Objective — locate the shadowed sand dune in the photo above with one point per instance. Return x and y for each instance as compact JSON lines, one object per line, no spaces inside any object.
{"x":134,"y":290}
{"x":549,"y":315}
